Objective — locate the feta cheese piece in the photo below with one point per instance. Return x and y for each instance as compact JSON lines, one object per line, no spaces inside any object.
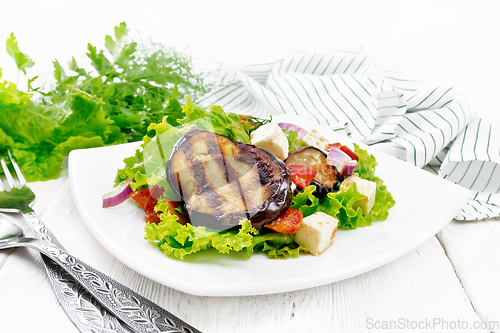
{"x":316,"y":232}
{"x":271,"y":138}
{"x":315,"y":139}
{"x":366,"y":187}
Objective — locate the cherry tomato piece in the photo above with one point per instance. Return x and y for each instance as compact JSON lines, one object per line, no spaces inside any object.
{"x":301,"y":175}
{"x":288,"y":223}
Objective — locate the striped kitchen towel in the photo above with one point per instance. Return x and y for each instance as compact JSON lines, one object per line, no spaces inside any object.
{"x":428,"y":125}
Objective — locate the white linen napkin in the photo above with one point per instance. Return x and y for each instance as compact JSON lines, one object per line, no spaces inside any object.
{"x":429,"y":125}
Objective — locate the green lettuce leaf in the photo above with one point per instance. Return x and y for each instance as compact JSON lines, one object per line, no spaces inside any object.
{"x":133,"y":170}
{"x":162,"y":137}
{"x":366,"y":164}
{"x":177,"y":241}
{"x":293,"y":141}
{"x":217,"y":121}
{"x":306,"y":201}
{"x":275,"y":245}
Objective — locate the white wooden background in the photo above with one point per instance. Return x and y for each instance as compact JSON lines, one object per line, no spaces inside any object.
{"x":453,"y":276}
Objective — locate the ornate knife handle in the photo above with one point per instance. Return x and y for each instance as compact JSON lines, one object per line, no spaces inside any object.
{"x":137,"y":312}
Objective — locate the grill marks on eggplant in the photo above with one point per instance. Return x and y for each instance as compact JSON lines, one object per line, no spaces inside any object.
{"x":226,"y":168}
{"x":220,"y":181}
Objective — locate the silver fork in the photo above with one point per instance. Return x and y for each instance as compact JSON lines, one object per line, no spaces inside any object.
{"x":82,"y":308}
{"x":137,"y":312}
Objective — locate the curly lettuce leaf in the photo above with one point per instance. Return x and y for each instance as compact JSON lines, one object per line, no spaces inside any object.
{"x":216,"y":120}
{"x":177,"y":240}
{"x":366,"y":164}
{"x":306,"y":201}
{"x":174,"y":239}
{"x":162,"y":137}
{"x":133,"y":170}
{"x":348,"y":217}
{"x":157,"y":152}
{"x":366,"y":170}
{"x":275,"y":245}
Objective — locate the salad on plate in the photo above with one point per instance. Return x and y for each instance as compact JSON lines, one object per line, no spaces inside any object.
{"x":239,"y":183}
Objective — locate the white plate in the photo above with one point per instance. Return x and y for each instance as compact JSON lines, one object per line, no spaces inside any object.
{"x":424,"y":205}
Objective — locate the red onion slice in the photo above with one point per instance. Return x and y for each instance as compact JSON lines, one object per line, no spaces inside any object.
{"x":337,"y":158}
{"x":349,"y":167}
{"x":118,"y":195}
{"x":300,"y":131}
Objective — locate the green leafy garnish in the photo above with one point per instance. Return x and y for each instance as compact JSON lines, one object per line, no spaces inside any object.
{"x":129,"y":86}
{"x":220,"y":122}
{"x":177,"y":241}
{"x":276,"y":246}
{"x":22,"y":60}
{"x":293,"y":141}
{"x":135,"y":82}
{"x":147,"y":167}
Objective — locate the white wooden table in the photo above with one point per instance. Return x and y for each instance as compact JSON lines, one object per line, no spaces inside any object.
{"x":451,"y":281}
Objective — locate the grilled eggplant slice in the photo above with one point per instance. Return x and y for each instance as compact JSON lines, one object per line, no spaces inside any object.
{"x":220,"y":182}
{"x":326,"y":179}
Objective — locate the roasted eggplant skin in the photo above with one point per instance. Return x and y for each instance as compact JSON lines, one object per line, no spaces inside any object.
{"x":218,"y":154}
{"x":326,"y":179}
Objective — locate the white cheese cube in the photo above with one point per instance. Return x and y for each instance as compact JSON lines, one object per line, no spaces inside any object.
{"x":315,"y":139}
{"x":271,"y":138}
{"x":366,"y":187}
{"x":316,"y":232}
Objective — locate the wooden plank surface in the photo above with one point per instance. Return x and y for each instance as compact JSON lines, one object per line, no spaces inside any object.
{"x":474,"y":250}
{"x":420,"y":286}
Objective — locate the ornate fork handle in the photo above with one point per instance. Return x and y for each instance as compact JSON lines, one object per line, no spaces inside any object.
{"x":82,"y":308}
{"x":139,"y":313}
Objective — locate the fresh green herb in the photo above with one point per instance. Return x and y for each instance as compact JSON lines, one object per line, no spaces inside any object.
{"x":130,"y":86}
{"x":22,"y":60}
{"x":136,"y":83}
{"x":254,"y":122}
